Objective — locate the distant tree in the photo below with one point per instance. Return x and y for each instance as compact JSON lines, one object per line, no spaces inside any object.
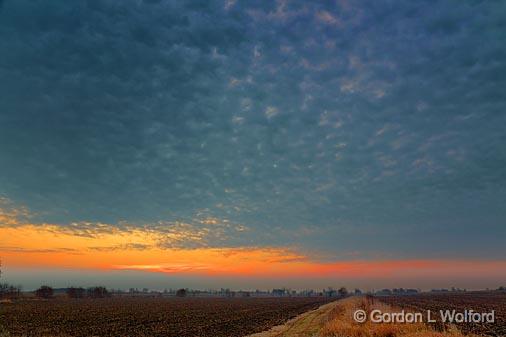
{"x":4,"y":288}
{"x":44,"y":292}
{"x":358,"y":291}
{"x":181,"y":292}
{"x":278,"y":292}
{"x":384,"y":292}
{"x":13,"y":292}
{"x":7,"y":290}
{"x":3,"y":331}
{"x":74,"y":292}
{"x":342,"y":292}
{"x":98,"y":292}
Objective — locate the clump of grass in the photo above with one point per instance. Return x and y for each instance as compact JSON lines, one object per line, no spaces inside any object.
{"x":4,"y":332}
{"x":342,"y":324}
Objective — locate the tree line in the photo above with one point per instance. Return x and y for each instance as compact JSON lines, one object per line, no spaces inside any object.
{"x":75,"y":292}
{"x":10,"y":291}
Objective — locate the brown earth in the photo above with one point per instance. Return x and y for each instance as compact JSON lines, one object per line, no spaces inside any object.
{"x":477,"y":301}
{"x":168,"y":317}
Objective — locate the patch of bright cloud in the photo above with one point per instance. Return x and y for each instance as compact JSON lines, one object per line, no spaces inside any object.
{"x":271,"y":112}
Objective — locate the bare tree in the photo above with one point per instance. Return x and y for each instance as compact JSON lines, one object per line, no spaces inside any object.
{"x":98,"y":292}
{"x":343,"y":292}
{"x":44,"y":292}
{"x":3,"y":331}
{"x":74,"y":292}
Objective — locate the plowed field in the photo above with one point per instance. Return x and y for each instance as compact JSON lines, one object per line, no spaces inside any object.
{"x":168,"y":317}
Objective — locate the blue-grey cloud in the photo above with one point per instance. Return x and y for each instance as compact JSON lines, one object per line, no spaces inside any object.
{"x":366,"y":126}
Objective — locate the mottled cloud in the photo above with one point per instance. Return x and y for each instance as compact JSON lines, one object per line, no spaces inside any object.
{"x":12,"y":214}
{"x":22,"y":250}
{"x":200,"y":232}
{"x":377,"y":126}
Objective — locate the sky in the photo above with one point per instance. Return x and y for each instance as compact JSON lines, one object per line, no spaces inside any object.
{"x":253,"y":144}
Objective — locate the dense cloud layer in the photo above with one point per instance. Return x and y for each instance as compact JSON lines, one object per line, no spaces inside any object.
{"x":358,"y":128}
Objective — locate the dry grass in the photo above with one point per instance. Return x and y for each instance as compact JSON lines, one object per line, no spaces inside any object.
{"x":3,"y":332}
{"x":342,"y":324}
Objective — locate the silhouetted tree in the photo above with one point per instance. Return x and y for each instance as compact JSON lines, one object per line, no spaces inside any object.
{"x":98,"y":292}
{"x":12,"y":291}
{"x":181,"y":292}
{"x":4,"y":288}
{"x":342,"y":292}
{"x":3,"y":331}
{"x":74,"y":292}
{"x":7,"y":290}
{"x":44,"y":292}
{"x":278,"y":292}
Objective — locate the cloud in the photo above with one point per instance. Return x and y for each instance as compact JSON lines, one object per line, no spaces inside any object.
{"x":10,"y":214}
{"x":122,"y":247}
{"x":271,"y":112}
{"x":184,"y":249}
{"x":167,"y":268}
{"x":203,"y":231}
{"x":117,"y":116}
{"x":22,"y":250}
{"x":327,"y":18}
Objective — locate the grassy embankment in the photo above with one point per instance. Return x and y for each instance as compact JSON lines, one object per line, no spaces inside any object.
{"x":341,"y":323}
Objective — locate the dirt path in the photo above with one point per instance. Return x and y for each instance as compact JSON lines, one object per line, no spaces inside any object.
{"x":305,"y":325}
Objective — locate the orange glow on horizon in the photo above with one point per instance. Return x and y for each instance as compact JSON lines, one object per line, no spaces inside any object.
{"x":139,"y":249}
